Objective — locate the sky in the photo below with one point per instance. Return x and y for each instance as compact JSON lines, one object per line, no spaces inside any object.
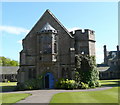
{"x":19,"y":17}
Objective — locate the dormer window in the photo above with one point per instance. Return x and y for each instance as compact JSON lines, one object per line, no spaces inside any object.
{"x":48,"y":28}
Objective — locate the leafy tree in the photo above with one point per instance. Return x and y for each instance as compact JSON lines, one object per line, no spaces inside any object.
{"x":7,"y":62}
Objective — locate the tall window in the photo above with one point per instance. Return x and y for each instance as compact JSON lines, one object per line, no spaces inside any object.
{"x":55,"y":48}
{"x":47,"y":48}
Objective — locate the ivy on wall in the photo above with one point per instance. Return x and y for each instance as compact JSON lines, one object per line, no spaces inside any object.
{"x":86,"y":67}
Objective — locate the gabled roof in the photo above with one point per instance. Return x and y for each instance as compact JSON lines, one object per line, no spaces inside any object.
{"x":48,"y":12}
{"x":59,"y":23}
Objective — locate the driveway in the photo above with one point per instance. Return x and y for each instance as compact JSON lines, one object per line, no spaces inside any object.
{"x":44,"y":96}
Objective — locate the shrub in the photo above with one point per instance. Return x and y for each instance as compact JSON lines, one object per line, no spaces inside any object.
{"x":66,"y":84}
{"x":72,"y":84}
{"x":97,"y":84}
{"x":83,"y":85}
{"x":91,"y":84}
{"x":20,"y":86}
{"x":30,"y":84}
{"x":94,"y":84}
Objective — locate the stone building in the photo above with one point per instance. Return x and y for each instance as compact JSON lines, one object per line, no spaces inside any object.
{"x":49,"y":49}
{"x":111,"y":57}
{"x":111,"y":67}
{"x":8,"y":73}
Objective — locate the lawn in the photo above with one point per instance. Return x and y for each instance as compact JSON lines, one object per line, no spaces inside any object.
{"x":10,"y":98}
{"x":103,"y":96}
{"x":112,"y":83}
{"x":8,"y":86}
{"x":8,"y":83}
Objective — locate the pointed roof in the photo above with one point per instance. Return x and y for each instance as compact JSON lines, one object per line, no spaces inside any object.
{"x":48,"y":12}
{"x":59,"y":22}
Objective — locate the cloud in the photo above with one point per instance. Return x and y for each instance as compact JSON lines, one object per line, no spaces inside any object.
{"x":13,"y":30}
{"x":72,"y":29}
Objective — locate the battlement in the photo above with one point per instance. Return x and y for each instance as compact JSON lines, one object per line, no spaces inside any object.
{"x":83,"y":34}
{"x":84,"y":31}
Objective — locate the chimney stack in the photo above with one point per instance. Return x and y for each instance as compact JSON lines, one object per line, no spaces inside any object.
{"x":118,"y":48}
{"x":118,"y":56}
{"x":105,"y":54}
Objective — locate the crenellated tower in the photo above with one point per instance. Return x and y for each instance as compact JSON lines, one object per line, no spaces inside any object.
{"x":84,"y":42}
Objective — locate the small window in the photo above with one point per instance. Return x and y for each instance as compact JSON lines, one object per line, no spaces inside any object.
{"x":30,"y":73}
{"x":40,"y":58}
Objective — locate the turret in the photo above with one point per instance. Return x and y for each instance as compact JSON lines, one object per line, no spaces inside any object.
{"x":85,"y":42}
{"x":48,"y":43}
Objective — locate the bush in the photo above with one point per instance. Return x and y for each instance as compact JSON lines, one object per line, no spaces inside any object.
{"x":97,"y":84}
{"x":91,"y":84}
{"x":94,"y":84}
{"x":72,"y":84}
{"x":66,"y":84}
{"x":30,"y":84}
{"x":20,"y":86}
{"x":83,"y":85}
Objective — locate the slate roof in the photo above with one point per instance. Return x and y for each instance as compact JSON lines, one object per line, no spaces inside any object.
{"x":102,"y":69}
{"x":9,"y":69}
{"x":47,"y":27}
{"x":55,"y":19}
{"x":112,"y":55}
{"x":108,"y":68}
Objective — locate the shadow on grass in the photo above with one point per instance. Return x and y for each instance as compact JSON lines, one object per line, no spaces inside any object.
{"x":111,"y":84}
{"x":7,"y":88}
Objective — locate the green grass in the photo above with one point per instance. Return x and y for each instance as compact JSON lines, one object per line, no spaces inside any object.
{"x":8,"y":86}
{"x":12,"y":97}
{"x":8,"y":83}
{"x":103,"y":96}
{"x":112,"y":83}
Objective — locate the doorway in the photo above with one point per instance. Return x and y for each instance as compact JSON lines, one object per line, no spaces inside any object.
{"x":49,"y":81}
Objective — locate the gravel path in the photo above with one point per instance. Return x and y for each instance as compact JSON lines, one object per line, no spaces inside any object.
{"x":44,"y":96}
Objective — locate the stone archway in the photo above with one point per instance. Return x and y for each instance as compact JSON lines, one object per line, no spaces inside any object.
{"x":49,"y":81}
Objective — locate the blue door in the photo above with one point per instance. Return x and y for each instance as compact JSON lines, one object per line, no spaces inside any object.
{"x":49,"y":81}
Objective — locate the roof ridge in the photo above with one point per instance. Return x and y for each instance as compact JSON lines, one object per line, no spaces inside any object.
{"x":59,"y":22}
{"x":48,"y":11}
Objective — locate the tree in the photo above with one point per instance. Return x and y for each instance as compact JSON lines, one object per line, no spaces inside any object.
{"x":7,"y":62}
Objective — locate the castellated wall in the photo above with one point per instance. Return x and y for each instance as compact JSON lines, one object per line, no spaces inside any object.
{"x":84,"y":41}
